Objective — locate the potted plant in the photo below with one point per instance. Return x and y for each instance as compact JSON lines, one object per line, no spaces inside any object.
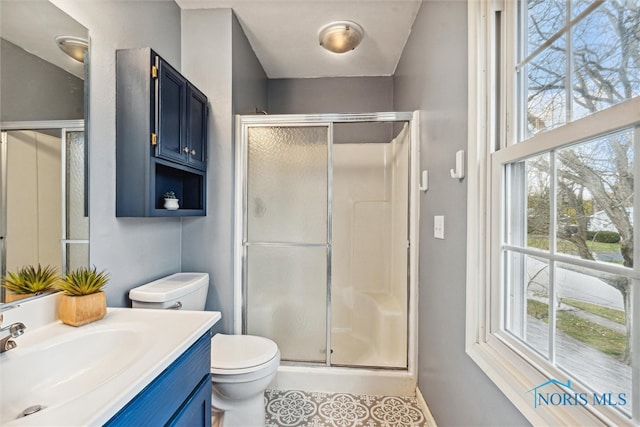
{"x":170,"y":201}
{"x":28,"y":281}
{"x":83,"y":300}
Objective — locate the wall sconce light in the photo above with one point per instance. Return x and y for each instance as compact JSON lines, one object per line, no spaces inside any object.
{"x":340,"y":36}
{"x":75,"y":47}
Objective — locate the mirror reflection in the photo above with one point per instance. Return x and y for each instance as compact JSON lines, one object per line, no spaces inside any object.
{"x":43,"y":154}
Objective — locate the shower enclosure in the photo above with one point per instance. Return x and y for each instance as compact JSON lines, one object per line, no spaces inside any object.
{"x":43,"y":189}
{"x":325,"y":237}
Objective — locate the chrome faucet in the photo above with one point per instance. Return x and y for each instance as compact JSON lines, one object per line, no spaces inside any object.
{"x":15,"y":330}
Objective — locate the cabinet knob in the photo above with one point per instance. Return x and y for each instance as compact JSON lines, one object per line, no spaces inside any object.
{"x":193,"y":152}
{"x":186,"y":149}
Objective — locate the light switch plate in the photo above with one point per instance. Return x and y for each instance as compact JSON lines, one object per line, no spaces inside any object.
{"x":438,"y":227}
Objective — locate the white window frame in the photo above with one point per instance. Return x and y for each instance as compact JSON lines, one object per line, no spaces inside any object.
{"x":513,"y":367}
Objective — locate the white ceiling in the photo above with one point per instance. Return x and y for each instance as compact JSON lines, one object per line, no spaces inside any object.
{"x":34,"y":25}
{"x":284,"y":34}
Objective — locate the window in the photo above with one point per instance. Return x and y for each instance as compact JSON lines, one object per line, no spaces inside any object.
{"x":577,"y":57}
{"x":554,"y":292}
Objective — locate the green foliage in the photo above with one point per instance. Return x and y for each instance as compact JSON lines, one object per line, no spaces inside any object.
{"x":604,"y":236}
{"x":596,"y":336}
{"x":83,"y":281}
{"x":612,"y":314}
{"x":538,"y":212}
{"x":30,"y":279}
{"x":538,"y":309}
{"x":590,"y":333}
{"x":170,"y":195}
{"x":566,"y":247}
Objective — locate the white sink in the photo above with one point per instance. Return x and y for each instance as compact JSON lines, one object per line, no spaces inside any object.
{"x":84,"y":375}
{"x":63,"y":366}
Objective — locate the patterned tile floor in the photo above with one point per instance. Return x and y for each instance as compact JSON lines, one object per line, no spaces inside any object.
{"x":293,"y":408}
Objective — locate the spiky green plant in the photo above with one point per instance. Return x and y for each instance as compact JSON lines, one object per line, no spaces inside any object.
{"x":83,"y":281}
{"x":30,"y":279}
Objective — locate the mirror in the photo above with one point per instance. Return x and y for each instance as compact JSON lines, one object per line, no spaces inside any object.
{"x":43,"y":152}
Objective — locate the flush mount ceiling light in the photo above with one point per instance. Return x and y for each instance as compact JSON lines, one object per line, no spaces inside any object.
{"x":75,"y":47}
{"x":340,"y":36}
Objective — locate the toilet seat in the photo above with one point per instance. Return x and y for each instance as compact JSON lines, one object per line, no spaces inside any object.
{"x":240,"y":354}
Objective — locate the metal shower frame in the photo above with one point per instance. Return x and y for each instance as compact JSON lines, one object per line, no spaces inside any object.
{"x":243,"y":122}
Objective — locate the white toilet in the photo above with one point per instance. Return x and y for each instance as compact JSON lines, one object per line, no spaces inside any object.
{"x":242,"y":366}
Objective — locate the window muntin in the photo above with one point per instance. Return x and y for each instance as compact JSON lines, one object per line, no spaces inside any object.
{"x":587,"y":64}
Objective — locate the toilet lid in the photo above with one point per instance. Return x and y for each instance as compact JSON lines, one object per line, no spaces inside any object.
{"x":241,"y":351}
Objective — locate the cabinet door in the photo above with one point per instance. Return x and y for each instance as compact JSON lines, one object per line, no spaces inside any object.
{"x":196,"y":411}
{"x":197,"y":115}
{"x":171,"y":113}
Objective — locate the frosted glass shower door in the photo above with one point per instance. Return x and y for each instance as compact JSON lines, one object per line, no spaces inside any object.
{"x":286,"y":242}
{"x":76,"y":233}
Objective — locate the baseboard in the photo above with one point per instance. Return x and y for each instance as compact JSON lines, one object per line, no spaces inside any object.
{"x":430,"y":421}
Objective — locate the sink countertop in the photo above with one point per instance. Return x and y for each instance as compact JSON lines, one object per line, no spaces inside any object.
{"x":144,"y":342}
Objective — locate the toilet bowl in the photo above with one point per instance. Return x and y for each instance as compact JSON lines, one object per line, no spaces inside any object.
{"x":242,"y":366}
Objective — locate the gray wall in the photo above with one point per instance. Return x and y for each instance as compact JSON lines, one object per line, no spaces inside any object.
{"x":249,"y":79}
{"x":337,"y":95}
{"x":134,"y":251}
{"x":330,"y":95}
{"x":34,"y":89}
{"x":226,"y":69}
{"x":432,"y":77}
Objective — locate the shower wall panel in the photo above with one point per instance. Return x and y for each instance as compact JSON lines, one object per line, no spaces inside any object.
{"x":34,"y":197}
{"x":369,"y":263}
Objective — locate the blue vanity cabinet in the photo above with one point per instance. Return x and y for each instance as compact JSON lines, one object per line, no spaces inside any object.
{"x":161,"y":137}
{"x":179,"y":396}
{"x":197,"y":410}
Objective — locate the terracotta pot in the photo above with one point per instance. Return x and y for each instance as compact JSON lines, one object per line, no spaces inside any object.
{"x":82,"y":309}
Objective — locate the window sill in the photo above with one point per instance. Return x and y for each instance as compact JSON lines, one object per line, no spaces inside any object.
{"x":516,"y":377}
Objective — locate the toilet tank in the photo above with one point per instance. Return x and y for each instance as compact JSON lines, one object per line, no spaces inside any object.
{"x":182,"y":291}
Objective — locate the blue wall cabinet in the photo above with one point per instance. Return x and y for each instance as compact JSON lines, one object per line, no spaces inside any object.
{"x":161,"y":137}
{"x":197,"y":118}
{"x":182,"y":118}
{"x":179,"y":396}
